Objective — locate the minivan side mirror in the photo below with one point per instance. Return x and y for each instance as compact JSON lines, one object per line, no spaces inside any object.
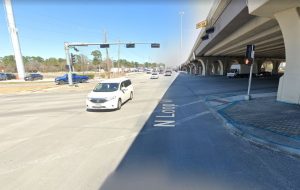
{"x":123,"y":89}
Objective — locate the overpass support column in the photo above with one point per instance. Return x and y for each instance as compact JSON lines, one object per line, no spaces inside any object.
{"x":202,"y":66}
{"x":190,"y":69}
{"x":289,"y":88}
{"x":259,"y":64}
{"x":275,"y":67}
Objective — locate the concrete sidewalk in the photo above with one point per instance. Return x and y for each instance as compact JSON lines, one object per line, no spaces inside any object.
{"x":263,"y":120}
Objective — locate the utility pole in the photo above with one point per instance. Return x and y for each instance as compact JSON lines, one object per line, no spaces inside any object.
{"x":14,"y":39}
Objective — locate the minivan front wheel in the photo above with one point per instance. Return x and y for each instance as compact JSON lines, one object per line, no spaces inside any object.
{"x":119,"y":104}
{"x":131,"y":96}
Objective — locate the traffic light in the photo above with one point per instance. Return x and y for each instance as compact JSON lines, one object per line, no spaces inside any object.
{"x":130,"y":45}
{"x":250,"y":51}
{"x":155,"y":45}
{"x":210,"y":30}
{"x":73,"y":59}
{"x":104,"y":45}
{"x":205,"y":37}
{"x":248,"y":61}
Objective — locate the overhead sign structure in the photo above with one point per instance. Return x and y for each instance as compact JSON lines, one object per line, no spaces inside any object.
{"x":201,"y":24}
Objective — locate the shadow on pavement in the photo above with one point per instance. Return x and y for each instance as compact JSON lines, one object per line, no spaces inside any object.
{"x":191,"y":150}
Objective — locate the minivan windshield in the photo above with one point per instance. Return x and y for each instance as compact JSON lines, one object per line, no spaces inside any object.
{"x":106,"y":87}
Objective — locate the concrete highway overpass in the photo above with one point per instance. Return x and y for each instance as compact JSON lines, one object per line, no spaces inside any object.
{"x":273,"y":26}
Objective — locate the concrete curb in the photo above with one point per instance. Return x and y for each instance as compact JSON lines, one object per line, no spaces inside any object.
{"x":252,"y":138}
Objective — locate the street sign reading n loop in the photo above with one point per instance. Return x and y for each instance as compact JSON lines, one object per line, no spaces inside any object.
{"x":201,"y":24}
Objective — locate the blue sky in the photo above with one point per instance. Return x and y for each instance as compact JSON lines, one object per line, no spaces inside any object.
{"x":44,"y":27}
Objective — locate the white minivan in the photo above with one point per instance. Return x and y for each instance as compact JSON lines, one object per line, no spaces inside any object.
{"x":110,"y":94}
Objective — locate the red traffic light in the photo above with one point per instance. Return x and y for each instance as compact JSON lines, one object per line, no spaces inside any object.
{"x":248,"y":61}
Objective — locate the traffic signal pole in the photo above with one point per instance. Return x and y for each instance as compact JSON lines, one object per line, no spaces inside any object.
{"x":248,"y":97}
{"x":14,"y":39}
{"x":68,"y":63}
{"x":250,"y":56}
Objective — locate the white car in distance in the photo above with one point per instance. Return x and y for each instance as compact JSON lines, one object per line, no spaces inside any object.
{"x":110,"y":94}
{"x":154,"y":75}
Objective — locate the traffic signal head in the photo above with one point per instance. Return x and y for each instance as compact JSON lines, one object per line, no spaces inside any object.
{"x":155,"y":45}
{"x":104,"y":45}
{"x":73,"y":59}
{"x":210,"y":30}
{"x":248,"y":61}
{"x":130,"y":45}
{"x":205,"y":37}
{"x":250,"y":51}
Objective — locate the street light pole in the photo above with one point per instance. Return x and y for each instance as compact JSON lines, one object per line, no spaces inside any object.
{"x":181,"y":15}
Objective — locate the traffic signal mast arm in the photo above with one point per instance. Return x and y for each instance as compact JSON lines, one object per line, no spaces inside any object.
{"x":71,"y":59}
{"x":74,"y":44}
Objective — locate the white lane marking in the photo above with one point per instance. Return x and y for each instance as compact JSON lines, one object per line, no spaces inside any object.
{"x":179,"y":122}
{"x":191,"y":103}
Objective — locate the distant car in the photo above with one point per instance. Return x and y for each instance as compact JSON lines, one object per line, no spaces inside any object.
{"x":10,"y":76}
{"x":168,"y":73}
{"x":110,"y":94}
{"x":154,"y":75}
{"x":3,"y":76}
{"x":33,"y":76}
{"x":75,"y":79}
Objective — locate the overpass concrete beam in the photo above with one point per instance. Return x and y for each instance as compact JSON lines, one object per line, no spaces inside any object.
{"x":268,"y":8}
{"x":244,"y":32}
{"x":267,"y":34}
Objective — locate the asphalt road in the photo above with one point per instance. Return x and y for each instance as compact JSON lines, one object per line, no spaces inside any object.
{"x":183,"y":147}
{"x":49,"y":141}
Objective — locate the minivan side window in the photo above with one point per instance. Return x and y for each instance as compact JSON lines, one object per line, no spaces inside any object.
{"x":127,"y":83}
{"x":122,"y":85}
